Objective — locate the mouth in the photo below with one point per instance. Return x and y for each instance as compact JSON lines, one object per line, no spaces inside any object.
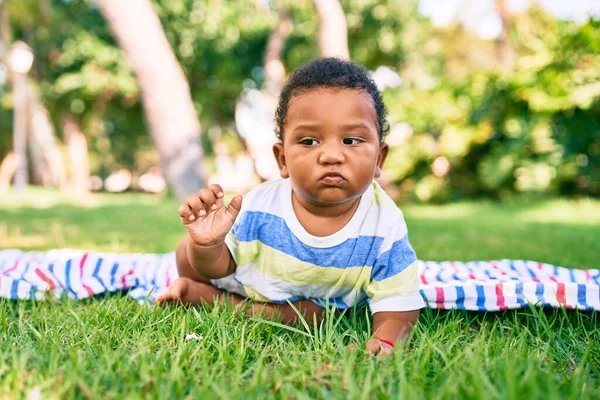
{"x":332,"y":179}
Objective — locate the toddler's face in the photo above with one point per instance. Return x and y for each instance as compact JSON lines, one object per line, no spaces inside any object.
{"x":331,"y":150}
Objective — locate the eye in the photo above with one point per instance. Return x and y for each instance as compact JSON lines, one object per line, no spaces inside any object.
{"x":308,"y":142}
{"x":351,"y":141}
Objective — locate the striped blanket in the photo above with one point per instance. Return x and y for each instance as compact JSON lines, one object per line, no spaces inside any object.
{"x":476,"y":285}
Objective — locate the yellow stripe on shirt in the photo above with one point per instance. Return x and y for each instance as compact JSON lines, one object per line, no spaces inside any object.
{"x":290,"y":270}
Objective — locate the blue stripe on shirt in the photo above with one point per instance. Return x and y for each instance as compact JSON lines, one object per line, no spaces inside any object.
{"x":272,"y":231}
{"x":394,"y":261}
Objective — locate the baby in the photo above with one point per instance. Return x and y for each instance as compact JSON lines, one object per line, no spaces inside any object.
{"x":326,"y":234}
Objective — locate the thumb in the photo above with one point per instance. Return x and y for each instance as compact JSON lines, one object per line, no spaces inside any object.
{"x":234,"y":207}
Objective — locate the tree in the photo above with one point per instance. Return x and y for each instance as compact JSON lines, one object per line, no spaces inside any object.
{"x":77,"y":153}
{"x":503,"y":47}
{"x":168,"y":105}
{"x":274,"y":68}
{"x":333,"y":32}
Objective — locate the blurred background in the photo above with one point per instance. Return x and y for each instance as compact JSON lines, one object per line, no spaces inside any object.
{"x":486,"y":98}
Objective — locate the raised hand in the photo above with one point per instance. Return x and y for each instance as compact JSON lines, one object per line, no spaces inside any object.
{"x":206,"y":217}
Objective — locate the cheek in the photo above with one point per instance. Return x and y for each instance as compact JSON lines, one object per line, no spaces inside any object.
{"x":300,"y":158}
{"x":366,"y":156}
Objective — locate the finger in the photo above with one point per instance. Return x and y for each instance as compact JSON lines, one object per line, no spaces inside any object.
{"x":385,"y":350}
{"x":208,"y":198}
{"x":217,"y":190}
{"x":186,"y":214}
{"x":219,"y":194}
{"x":162,"y":297}
{"x":234,"y":207}
{"x":373,"y":346}
{"x":352,"y":346}
{"x":193,"y":201}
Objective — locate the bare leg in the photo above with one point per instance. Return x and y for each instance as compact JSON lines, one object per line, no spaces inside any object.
{"x":193,"y":288}
{"x":285,"y":313}
{"x":187,"y":291}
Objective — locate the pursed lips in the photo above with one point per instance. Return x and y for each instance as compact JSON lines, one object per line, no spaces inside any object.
{"x":332,"y":178}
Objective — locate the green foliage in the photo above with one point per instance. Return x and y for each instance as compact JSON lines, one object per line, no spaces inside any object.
{"x":531,"y":125}
{"x":534,"y":128}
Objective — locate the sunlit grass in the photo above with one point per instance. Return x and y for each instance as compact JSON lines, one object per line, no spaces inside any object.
{"x":114,"y":348}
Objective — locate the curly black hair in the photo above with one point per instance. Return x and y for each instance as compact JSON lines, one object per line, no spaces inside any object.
{"x":330,"y":72}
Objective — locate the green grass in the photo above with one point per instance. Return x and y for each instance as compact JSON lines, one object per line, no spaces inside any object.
{"x":113,"y":348}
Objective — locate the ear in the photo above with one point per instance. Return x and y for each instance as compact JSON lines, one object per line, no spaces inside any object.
{"x":280,"y":158}
{"x":383,"y":152}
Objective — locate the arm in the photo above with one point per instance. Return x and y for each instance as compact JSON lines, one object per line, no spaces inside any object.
{"x":211,"y":262}
{"x":392,"y":326}
{"x":395,"y":300}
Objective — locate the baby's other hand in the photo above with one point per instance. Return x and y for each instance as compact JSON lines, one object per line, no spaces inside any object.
{"x":206,"y":217}
{"x":375,"y":347}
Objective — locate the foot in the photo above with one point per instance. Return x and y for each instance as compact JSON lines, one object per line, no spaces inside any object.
{"x":187,"y":291}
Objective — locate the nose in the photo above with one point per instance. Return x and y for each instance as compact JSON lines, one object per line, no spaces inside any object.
{"x":331,"y":153}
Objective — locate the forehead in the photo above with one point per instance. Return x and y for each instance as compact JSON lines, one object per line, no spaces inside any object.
{"x":331,"y":105}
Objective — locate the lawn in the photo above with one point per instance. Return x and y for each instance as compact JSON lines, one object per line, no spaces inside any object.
{"x":112,"y":347}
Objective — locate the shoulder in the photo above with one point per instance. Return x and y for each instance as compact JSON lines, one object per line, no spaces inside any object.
{"x":383,"y":201}
{"x":264,"y":198}
{"x":260,"y":206}
{"x":384,"y":215}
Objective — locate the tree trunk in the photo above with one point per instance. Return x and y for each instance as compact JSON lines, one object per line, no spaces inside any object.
{"x":47,"y":164}
{"x":20,"y":127}
{"x":8,"y":167}
{"x":333,"y":32}
{"x":255,"y":110}
{"x":78,"y":155}
{"x":5,"y":38}
{"x":274,"y":68}
{"x":503,"y":48}
{"x":170,"y":112}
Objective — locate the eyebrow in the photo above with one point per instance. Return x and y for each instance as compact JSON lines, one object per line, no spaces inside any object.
{"x":359,"y":125}
{"x":307,"y":127}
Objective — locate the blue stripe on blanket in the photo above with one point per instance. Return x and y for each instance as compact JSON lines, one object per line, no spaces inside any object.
{"x":477,"y":286}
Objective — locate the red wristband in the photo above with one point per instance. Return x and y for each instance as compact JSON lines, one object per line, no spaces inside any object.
{"x":387,"y":342}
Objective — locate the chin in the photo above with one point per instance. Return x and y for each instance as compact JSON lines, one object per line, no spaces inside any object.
{"x":333,"y":198}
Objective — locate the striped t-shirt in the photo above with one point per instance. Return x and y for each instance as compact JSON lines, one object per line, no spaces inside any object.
{"x":369,"y":260}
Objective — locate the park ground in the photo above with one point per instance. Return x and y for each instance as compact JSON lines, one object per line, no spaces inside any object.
{"x":112,"y":347}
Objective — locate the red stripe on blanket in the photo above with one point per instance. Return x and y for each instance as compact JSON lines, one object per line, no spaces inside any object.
{"x":493,"y":264}
{"x":439,"y":294}
{"x":500,"y":297}
{"x":124,"y":278}
{"x":560,"y":294}
{"x":45,"y":278}
{"x":12,"y":268}
{"x":88,"y":289}
{"x":168,"y":275}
